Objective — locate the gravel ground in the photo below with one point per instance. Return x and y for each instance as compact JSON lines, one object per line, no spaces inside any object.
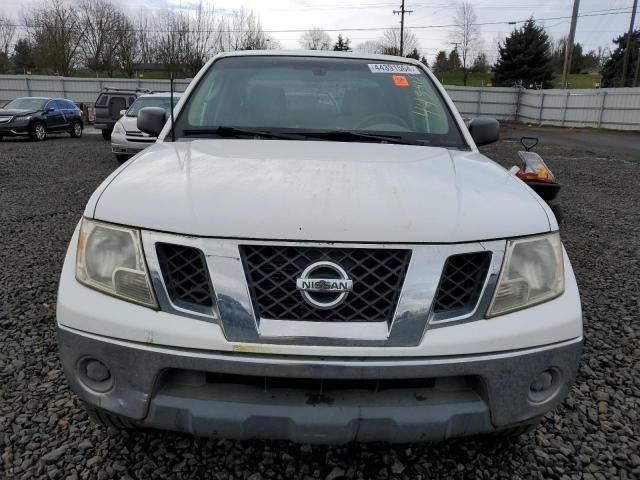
{"x":44,"y":432}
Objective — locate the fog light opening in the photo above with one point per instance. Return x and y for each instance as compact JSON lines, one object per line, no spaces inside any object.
{"x":94,"y":375}
{"x":545,"y":385}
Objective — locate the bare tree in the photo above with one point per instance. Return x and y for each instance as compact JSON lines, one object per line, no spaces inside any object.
{"x":128,"y":47}
{"x":390,"y":41}
{"x":57,"y":33}
{"x":200,"y":40}
{"x":100,"y":22}
{"x":466,"y":36}
{"x":370,"y":46}
{"x":7,"y":35}
{"x":172,"y":41}
{"x":145,"y":36}
{"x":242,"y":30}
{"x":315,"y":39}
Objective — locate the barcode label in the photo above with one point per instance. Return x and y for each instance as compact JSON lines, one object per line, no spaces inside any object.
{"x":393,"y":68}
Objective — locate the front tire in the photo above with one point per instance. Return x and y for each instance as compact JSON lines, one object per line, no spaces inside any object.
{"x":38,"y":132}
{"x":76,"y":129}
{"x":122,"y":158}
{"x":108,"y":420}
{"x":106,"y":134}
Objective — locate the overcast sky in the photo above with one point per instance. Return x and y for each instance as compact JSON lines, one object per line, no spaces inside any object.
{"x":278,"y":15}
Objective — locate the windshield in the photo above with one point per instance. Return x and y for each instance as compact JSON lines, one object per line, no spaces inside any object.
{"x":26,"y":104}
{"x":143,"y":102}
{"x":368,"y":100}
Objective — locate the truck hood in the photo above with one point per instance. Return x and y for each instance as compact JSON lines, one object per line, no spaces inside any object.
{"x":319,"y":191}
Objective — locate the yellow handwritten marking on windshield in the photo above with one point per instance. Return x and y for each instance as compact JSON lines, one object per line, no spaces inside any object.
{"x":423,"y":100}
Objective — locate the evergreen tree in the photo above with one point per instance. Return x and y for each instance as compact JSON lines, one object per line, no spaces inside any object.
{"x":579,"y":61}
{"x":525,"y":57}
{"x":454,"y":61}
{"x":342,"y":45}
{"x":23,"y":56}
{"x":5,"y":63}
{"x":480,"y":64}
{"x":414,"y":54}
{"x":612,"y":69}
{"x":441,"y":63}
{"x":424,"y":61}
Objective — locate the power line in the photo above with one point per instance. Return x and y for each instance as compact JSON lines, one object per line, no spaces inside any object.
{"x":359,"y":29}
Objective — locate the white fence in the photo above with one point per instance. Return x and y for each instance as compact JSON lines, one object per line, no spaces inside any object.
{"x":614,"y":108}
{"x":83,"y":90}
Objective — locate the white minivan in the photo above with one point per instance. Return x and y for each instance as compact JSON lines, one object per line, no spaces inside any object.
{"x":317,"y":251}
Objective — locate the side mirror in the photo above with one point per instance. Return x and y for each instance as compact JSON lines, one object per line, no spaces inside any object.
{"x":484,"y":130}
{"x":49,"y":110}
{"x":123,"y":112}
{"x":151,"y":120}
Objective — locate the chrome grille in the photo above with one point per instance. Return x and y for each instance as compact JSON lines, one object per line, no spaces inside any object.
{"x":272,"y":271}
{"x":5,"y":119}
{"x":185,"y":275}
{"x":461,"y":283}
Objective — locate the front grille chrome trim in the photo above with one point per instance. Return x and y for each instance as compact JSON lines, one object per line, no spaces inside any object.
{"x":235,"y":311}
{"x":376,"y":274}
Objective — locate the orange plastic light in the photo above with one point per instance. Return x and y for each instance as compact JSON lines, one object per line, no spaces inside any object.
{"x":400,"y":80}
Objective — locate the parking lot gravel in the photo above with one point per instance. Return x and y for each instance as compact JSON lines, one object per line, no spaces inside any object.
{"x":44,"y":432}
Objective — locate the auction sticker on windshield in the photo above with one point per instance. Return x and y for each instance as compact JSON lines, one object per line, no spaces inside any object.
{"x":393,"y":68}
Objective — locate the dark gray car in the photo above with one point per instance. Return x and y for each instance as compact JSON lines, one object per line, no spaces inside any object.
{"x":36,"y":117}
{"x":109,"y":104}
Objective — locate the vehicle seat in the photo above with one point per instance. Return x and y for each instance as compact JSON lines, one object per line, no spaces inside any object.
{"x":265,"y":107}
{"x":360,"y":103}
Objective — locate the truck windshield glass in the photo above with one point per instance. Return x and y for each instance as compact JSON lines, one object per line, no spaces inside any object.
{"x":25,"y":104}
{"x":142,"y":102}
{"x":318,"y":98}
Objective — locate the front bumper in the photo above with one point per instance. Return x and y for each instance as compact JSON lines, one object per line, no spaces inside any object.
{"x":216,"y":394}
{"x":124,"y":150}
{"x":122,"y":145}
{"x":13,"y":131}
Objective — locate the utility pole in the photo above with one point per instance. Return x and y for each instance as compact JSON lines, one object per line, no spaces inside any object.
{"x":635,"y":76}
{"x":402,"y":11}
{"x":568,"y":49}
{"x":627,"y":50}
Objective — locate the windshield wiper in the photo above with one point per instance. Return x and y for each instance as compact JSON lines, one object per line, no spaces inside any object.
{"x":233,"y":132}
{"x":348,"y":135}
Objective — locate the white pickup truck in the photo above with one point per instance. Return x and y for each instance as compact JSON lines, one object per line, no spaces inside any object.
{"x":316,"y":251}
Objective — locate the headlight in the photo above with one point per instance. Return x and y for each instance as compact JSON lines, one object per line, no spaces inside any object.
{"x":110,"y":259}
{"x":17,"y":121}
{"x":118,"y":128}
{"x":532,"y":272}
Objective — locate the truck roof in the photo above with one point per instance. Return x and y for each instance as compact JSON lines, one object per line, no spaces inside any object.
{"x":319,"y":53}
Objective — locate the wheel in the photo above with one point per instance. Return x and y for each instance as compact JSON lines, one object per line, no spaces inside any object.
{"x":557,"y":211}
{"x":106,"y":134}
{"x":108,"y":420}
{"x":76,"y":129}
{"x":516,"y":431}
{"x":122,"y":158}
{"x":38,"y":131}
